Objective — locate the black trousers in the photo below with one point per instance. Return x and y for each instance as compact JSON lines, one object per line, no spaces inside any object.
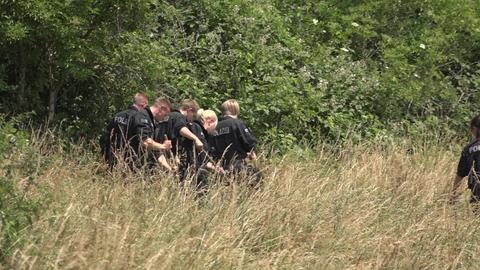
{"x":198,"y":173}
{"x":241,"y":170}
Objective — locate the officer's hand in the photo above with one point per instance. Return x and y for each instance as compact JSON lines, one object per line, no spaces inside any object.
{"x":210,"y":166}
{"x":199,"y":145}
{"x":176,"y":161}
{"x":453,"y":198}
{"x":215,"y":168}
{"x":252,"y":156}
{"x":147,"y":142}
{"x":167,"y":145}
{"x":220,"y":170}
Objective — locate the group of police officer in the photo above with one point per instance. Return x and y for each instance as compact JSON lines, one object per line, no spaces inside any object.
{"x":188,"y":141}
{"x":192,"y":142}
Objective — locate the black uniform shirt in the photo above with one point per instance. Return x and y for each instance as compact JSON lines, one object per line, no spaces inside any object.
{"x":161,"y":130}
{"x":232,"y":140}
{"x":469,"y":160}
{"x":142,"y":127}
{"x":176,"y":121}
{"x":191,"y":154}
{"x":118,"y":130}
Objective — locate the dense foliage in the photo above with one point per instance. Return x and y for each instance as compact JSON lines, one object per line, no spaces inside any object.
{"x":300,"y":68}
{"x":18,"y":206}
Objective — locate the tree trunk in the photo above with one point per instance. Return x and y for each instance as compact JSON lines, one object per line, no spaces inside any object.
{"x":53,"y":91}
{"x":21,"y":78}
{"x":22,"y":83}
{"x":52,"y":103}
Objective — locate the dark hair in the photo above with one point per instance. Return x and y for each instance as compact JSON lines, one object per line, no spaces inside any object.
{"x":475,"y":122}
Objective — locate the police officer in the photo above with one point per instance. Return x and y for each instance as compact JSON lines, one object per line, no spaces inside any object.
{"x":143,"y":131}
{"x":199,"y":163}
{"x":133,"y":130}
{"x":233,"y":142}
{"x":114,"y":138}
{"x":177,"y":126}
{"x":183,"y":139}
{"x":161,"y":135}
{"x":469,"y":165}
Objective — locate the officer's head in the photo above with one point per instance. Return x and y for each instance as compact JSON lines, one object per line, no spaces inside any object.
{"x":161,"y":109}
{"x":475,"y":127}
{"x":189,"y":108}
{"x":209,"y":119}
{"x":230,"y":108}
{"x":140,"y":101}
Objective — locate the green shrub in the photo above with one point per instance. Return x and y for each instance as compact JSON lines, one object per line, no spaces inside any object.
{"x":20,"y":164}
{"x":16,"y":214}
{"x":12,"y":136}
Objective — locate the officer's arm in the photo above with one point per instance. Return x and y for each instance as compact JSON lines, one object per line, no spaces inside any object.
{"x":247,"y":139}
{"x":150,"y":144}
{"x":186,"y":133}
{"x":107,"y":133}
{"x":463,"y":170}
{"x":456,"y":191}
{"x":197,"y":131}
{"x":109,"y":127}
{"x":163,"y":161}
{"x":145,"y":131}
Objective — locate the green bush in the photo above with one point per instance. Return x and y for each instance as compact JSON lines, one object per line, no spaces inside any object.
{"x":17,"y":206}
{"x":12,"y":137}
{"x":16,"y":214}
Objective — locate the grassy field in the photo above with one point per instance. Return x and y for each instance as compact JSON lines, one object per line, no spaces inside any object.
{"x":362,"y":207}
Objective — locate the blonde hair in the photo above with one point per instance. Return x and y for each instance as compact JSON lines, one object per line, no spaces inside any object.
{"x":230,"y":107}
{"x":163,"y":101}
{"x":139,"y":98}
{"x":207,"y":114}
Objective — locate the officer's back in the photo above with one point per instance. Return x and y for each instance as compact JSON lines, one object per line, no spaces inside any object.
{"x":232,"y":140}
{"x":117,"y":133}
{"x":119,"y":138}
{"x":469,"y":164}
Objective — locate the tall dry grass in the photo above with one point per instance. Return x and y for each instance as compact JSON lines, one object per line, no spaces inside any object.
{"x":361,"y":207}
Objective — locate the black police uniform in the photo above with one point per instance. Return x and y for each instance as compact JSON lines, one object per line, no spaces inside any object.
{"x":181,"y":147}
{"x":114,"y":138}
{"x":176,"y":121}
{"x":144,"y":127}
{"x":161,"y":130}
{"x":124,"y":134}
{"x":469,"y":165}
{"x":192,"y":160}
{"x":231,"y":143}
